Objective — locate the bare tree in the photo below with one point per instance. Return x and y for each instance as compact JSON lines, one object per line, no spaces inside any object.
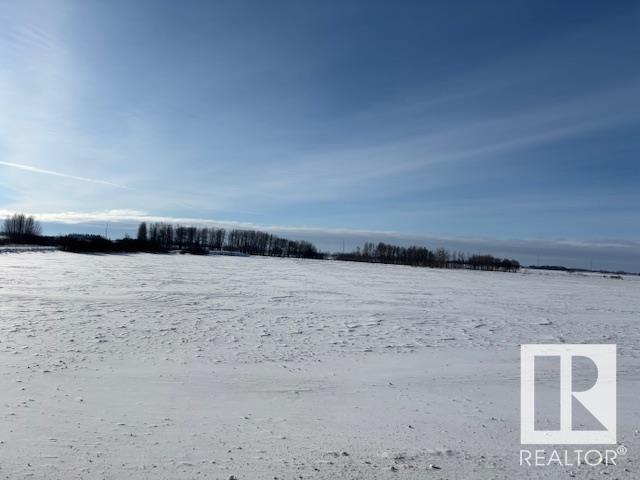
{"x":142,"y":232}
{"x":20,"y":227}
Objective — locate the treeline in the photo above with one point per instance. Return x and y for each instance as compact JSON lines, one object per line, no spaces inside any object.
{"x":424,"y":257}
{"x":159,"y":237}
{"x":83,"y":243}
{"x":560,"y":268}
{"x":260,"y":243}
{"x":164,"y":237}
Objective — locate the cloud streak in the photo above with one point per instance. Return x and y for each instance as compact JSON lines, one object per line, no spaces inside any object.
{"x":126,"y":216}
{"x":30,"y":168}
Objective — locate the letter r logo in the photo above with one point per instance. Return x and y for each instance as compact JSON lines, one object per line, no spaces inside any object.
{"x":599,"y":400}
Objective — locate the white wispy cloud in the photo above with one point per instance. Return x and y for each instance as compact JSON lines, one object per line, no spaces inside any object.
{"x":31,"y":168}
{"x":128,"y":216}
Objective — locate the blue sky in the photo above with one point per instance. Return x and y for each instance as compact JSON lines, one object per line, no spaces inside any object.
{"x":513,"y":121}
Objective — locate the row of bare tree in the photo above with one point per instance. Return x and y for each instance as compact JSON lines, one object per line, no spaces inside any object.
{"x":165,"y":236}
{"x":424,"y":257}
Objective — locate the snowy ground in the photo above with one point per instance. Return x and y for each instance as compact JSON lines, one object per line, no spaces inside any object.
{"x":181,"y":367}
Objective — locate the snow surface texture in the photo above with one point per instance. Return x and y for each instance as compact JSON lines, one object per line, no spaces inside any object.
{"x":181,"y":367}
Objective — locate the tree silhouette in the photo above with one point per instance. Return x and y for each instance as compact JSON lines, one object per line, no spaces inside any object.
{"x":142,"y":232}
{"x":20,"y":228}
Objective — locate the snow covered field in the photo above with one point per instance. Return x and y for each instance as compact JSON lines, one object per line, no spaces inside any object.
{"x":181,"y":367}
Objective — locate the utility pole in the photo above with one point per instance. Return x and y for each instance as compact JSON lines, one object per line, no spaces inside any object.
{"x":106,"y":230}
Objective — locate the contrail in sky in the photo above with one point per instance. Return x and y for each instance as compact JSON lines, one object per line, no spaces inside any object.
{"x":30,"y":168}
